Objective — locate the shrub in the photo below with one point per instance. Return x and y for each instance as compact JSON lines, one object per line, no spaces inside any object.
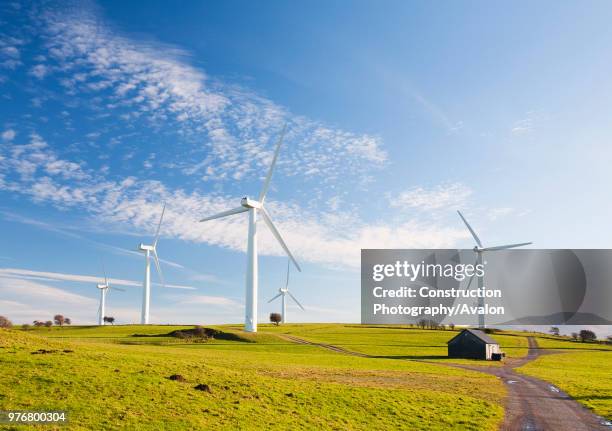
{"x":48,"y":323}
{"x":275,"y":318}
{"x":25,"y":327}
{"x":5,"y":323}
{"x":67,"y":321}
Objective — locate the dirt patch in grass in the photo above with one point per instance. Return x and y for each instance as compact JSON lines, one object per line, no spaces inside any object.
{"x":203,"y":387}
{"x":177,"y":378}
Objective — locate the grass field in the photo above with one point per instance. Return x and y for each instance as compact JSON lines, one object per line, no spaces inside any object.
{"x":583,"y":370}
{"x":108,"y":382}
{"x":117,"y":378}
{"x":394,"y":342}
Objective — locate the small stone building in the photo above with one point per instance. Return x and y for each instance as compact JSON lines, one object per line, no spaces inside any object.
{"x":474,"y":344}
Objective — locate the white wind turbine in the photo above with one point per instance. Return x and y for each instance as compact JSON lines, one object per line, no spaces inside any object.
{"x":479,"y":250}
{"x":255,"y":207}
{"x":104,"y":288}
{"x":283,"y":292}
{"x":149,"y":250}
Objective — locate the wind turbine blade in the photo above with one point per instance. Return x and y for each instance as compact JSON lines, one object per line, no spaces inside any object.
{"x":274,"y":298}
{"x":296,"y":301}
{"x":504,"y":247}
{"x":264,"y":190}
{"x":159,"y":225}
{"x":277,"y":235}
{"x":159,"y":271}
{"x":116,"y":288}
{"x":238,"y":210}
{"x":287,"y":283}
{"x":470,"y":229}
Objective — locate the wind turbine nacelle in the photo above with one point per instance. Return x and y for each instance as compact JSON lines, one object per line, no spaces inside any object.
{"x":249,"y":203}
{"x":143,"y":247}
{"x":101,"y":286}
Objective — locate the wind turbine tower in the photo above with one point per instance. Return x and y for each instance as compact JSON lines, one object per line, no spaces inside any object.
{"x":255,"y":208}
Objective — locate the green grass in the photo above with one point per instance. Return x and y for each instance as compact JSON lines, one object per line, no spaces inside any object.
{"x":582,"y":371}
{"x":395,"y":342}
{"x":262,"y":382}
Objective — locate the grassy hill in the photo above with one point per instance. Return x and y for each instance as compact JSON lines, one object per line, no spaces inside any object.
{"x":108,"y":379}
{"x":118,"y":378}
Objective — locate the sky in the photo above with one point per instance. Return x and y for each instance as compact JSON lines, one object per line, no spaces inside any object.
{"x":397,"y":116}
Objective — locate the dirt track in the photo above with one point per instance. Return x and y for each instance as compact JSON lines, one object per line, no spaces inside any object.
{"x":532,"y":404}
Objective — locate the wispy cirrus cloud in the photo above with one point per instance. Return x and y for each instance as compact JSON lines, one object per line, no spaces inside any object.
{"x":231,"y":127}
{"x":442,"y":196}
{"x":26,"y":274}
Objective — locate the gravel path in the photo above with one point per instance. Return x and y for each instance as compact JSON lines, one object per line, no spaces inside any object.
{"x":532,"y":404}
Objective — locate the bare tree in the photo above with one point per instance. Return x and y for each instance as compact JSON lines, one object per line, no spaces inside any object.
{"x":5,"y":323}
{"x":59,"y":319}
{"x":275,"y":318}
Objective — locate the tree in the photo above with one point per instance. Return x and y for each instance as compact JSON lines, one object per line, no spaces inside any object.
{"x":25,"y":327}
{"x":451,"y":326}
{"x":422,"y":323}
{"x":275,"y":318}
{"x":587,"y":335}
{"x":48,"y":323}
{"x":5,"y":323}
{"x":609,"y":339}
{"x":109,"y":319}
{"x":554,"y":330}
{"x":59,"y":319}
{"x":38,"y":323}
{"x":575,"y":336}
{"x":67,"y":321}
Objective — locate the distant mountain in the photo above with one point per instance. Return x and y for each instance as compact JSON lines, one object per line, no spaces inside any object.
{"x":561,"y":318}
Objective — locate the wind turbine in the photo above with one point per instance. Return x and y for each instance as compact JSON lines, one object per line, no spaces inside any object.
{"x":479,"y":250}
{"x":104,"y":288}
{"x":255,"y":207}
{"x":283,"y":293}
{"x":149,"y":250}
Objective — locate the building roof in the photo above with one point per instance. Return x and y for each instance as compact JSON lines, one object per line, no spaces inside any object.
{"x":478,"y":334}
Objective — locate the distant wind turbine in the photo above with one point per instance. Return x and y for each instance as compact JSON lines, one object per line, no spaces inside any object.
{"x":283,"y":292}
{"x":149,"y":250}
{"x":479,"y":250}
{"x":104,"y":288}
{"x":255,"y":207}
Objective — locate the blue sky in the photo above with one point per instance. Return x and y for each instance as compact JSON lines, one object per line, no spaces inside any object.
{"x":397,"y":116}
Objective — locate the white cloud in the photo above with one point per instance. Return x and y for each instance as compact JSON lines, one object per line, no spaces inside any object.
{"x":445,"y":196}
{"x":234,"y":127}
{"x":8,"y":135}
{"x":14,"y":273}
{"x":36,"y":292}
{"x":39,"y":71}
{"x":210,"y":300}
